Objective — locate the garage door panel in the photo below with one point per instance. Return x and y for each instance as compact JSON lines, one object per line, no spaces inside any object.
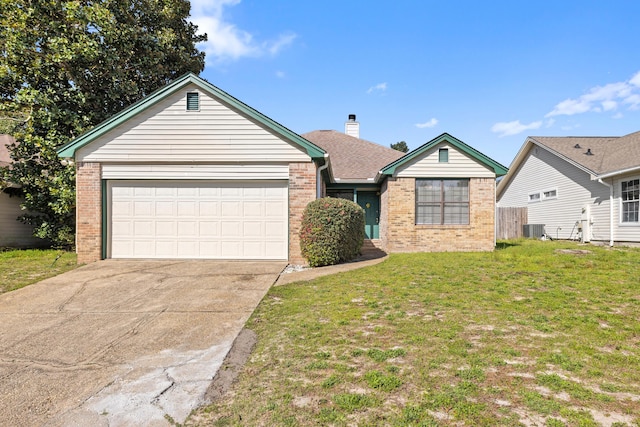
{"x":209,"y":228}
{"x":198,"y":219}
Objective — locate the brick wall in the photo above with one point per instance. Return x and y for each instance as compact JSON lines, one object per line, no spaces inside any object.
{"x":88,"y":212}
{"x":302,"y":190}
{"x":403,"y":235}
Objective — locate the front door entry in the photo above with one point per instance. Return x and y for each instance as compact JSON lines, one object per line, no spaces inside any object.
{"x":370,"y":202}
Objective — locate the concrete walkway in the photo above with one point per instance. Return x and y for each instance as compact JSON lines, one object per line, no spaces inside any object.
{"x":120,"y":343}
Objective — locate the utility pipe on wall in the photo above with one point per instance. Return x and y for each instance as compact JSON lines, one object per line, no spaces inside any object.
{"x":610,"y":210}
{"x":319,"y":176}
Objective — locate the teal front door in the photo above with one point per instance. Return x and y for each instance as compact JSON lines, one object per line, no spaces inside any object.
{"x":370,"y":202}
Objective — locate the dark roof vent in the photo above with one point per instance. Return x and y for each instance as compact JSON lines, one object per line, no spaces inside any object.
{"x":589,"y":153}
{"x":577,"y":146}
{"x":352,"y":117}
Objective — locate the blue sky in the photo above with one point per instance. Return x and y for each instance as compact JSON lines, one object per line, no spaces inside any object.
{"x":490,"y":73}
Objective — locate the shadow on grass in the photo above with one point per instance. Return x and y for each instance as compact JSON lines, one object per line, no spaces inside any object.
{"x":504,"y":244}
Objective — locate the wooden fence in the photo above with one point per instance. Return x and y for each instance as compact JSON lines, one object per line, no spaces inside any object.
{"x":509,"y":222}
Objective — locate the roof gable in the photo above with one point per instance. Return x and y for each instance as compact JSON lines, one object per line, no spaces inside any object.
{"x":599,"y":156}
{"x":69,"y":149}
{"x":424,"y":149}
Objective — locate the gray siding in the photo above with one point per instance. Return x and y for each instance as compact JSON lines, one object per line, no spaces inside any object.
{"x":12,"y":232}
{"x":459,"y":166}
{"x":540,"y":171}
{"x":168,"y":132}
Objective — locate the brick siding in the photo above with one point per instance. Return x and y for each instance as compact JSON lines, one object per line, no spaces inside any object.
{"x":302,"y":190}
{"x":88,"y":212}
{"x":401,"y":234}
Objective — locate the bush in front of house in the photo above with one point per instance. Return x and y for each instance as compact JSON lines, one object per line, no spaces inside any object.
{"x":332,"y":231}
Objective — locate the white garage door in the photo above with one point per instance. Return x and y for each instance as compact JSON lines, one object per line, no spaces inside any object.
{"x":195,"y":219}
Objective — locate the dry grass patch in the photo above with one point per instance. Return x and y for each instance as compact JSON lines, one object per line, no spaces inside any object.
{"x":513,"y":337}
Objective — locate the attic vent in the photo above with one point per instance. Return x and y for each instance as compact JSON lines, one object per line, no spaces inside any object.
{"x":577,"y":146}
{"x":589,"y":153}
{"x":193,"y":101}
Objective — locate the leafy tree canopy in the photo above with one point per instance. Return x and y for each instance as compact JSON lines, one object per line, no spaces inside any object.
{"x":400,"y":146}
{"x":66,"y":66}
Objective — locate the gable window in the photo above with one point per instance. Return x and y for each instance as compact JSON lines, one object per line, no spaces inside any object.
{"x":630,"y":195}
{"x":534,"y":197}
{"x":193,"y":101}
{"x":442,"y":201}
{"x":443,"y":155}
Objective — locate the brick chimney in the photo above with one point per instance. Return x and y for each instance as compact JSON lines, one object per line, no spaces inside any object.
{"x":351,"y":127}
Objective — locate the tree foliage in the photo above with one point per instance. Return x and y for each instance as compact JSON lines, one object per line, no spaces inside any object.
{"x":400,"y":146}
{"x":66,"y":66}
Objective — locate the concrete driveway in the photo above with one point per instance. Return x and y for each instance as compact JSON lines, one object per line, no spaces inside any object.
{"x":122,"y":342}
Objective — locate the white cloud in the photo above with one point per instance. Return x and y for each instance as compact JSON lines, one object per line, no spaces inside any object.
{"x":617,"y":115}
{"x":429,"y":124}
{"x":280,"y":74}
{"x":549,"y":122}
{"x":601,"y":98}
{"x":225,"y":40}
{"x":513,"y":128}
{"x":633,"y":101}
{"x":379,"y":87}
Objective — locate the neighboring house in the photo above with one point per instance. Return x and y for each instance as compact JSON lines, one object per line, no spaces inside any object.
{"x":191,"y":172}
{"x":585,"y":188}
{"x":13,"y":233}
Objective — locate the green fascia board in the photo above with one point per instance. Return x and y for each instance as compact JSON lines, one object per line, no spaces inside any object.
{"x":498,"y":169}
{"x":68,"y":150}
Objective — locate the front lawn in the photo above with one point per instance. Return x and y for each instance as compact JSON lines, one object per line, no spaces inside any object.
{"x":19,"y":268}
{"x":535,"y":333}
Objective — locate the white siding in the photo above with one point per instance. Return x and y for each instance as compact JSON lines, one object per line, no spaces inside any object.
{"x":12,"y":232}
{"x":167,"y":132}
{"x":197,"y":171}
{"x":540,"y":171}
{"x":623,"y":232}
{"x":459,"y":166}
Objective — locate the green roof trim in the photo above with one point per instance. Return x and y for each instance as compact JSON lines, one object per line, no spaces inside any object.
{"x":498,"y":169}
{"x":69,"y":149}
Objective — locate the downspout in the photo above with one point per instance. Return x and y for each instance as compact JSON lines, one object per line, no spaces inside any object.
{"x":319,"y":176}
{"x":610,"y":210}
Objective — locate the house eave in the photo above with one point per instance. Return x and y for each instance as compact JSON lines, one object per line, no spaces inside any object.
{"x":520,"y":156}
{"x":486,"y":161}
{"x":68,"y":150}
{"x":616,"y":173}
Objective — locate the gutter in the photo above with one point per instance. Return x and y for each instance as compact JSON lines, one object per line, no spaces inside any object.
{"x":618,"y":172}
{"x":610,"y":210}
{"x":319,"y":176}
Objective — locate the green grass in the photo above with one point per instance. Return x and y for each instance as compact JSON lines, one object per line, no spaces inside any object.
{"x":524,"y":335}
{"x":19,"y":268}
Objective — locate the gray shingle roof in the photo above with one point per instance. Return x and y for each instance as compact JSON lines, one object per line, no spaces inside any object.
{"x":352,"y":159}
{"x":608,"y":153}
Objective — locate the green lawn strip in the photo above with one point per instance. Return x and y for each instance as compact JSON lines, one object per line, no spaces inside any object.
{"x":525,"y":333}
{"x":19,"y":268}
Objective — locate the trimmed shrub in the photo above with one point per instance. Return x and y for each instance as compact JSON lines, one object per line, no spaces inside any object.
{"x":332,"y":231}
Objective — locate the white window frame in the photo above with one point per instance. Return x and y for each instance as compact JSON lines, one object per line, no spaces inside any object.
{"x":534,"y":199}
{"x":622,"y":202}
{"x":545,"y":197}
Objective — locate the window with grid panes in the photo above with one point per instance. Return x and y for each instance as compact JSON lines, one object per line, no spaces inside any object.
{"x":442,"y":201}
{"x":630,"y":194}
